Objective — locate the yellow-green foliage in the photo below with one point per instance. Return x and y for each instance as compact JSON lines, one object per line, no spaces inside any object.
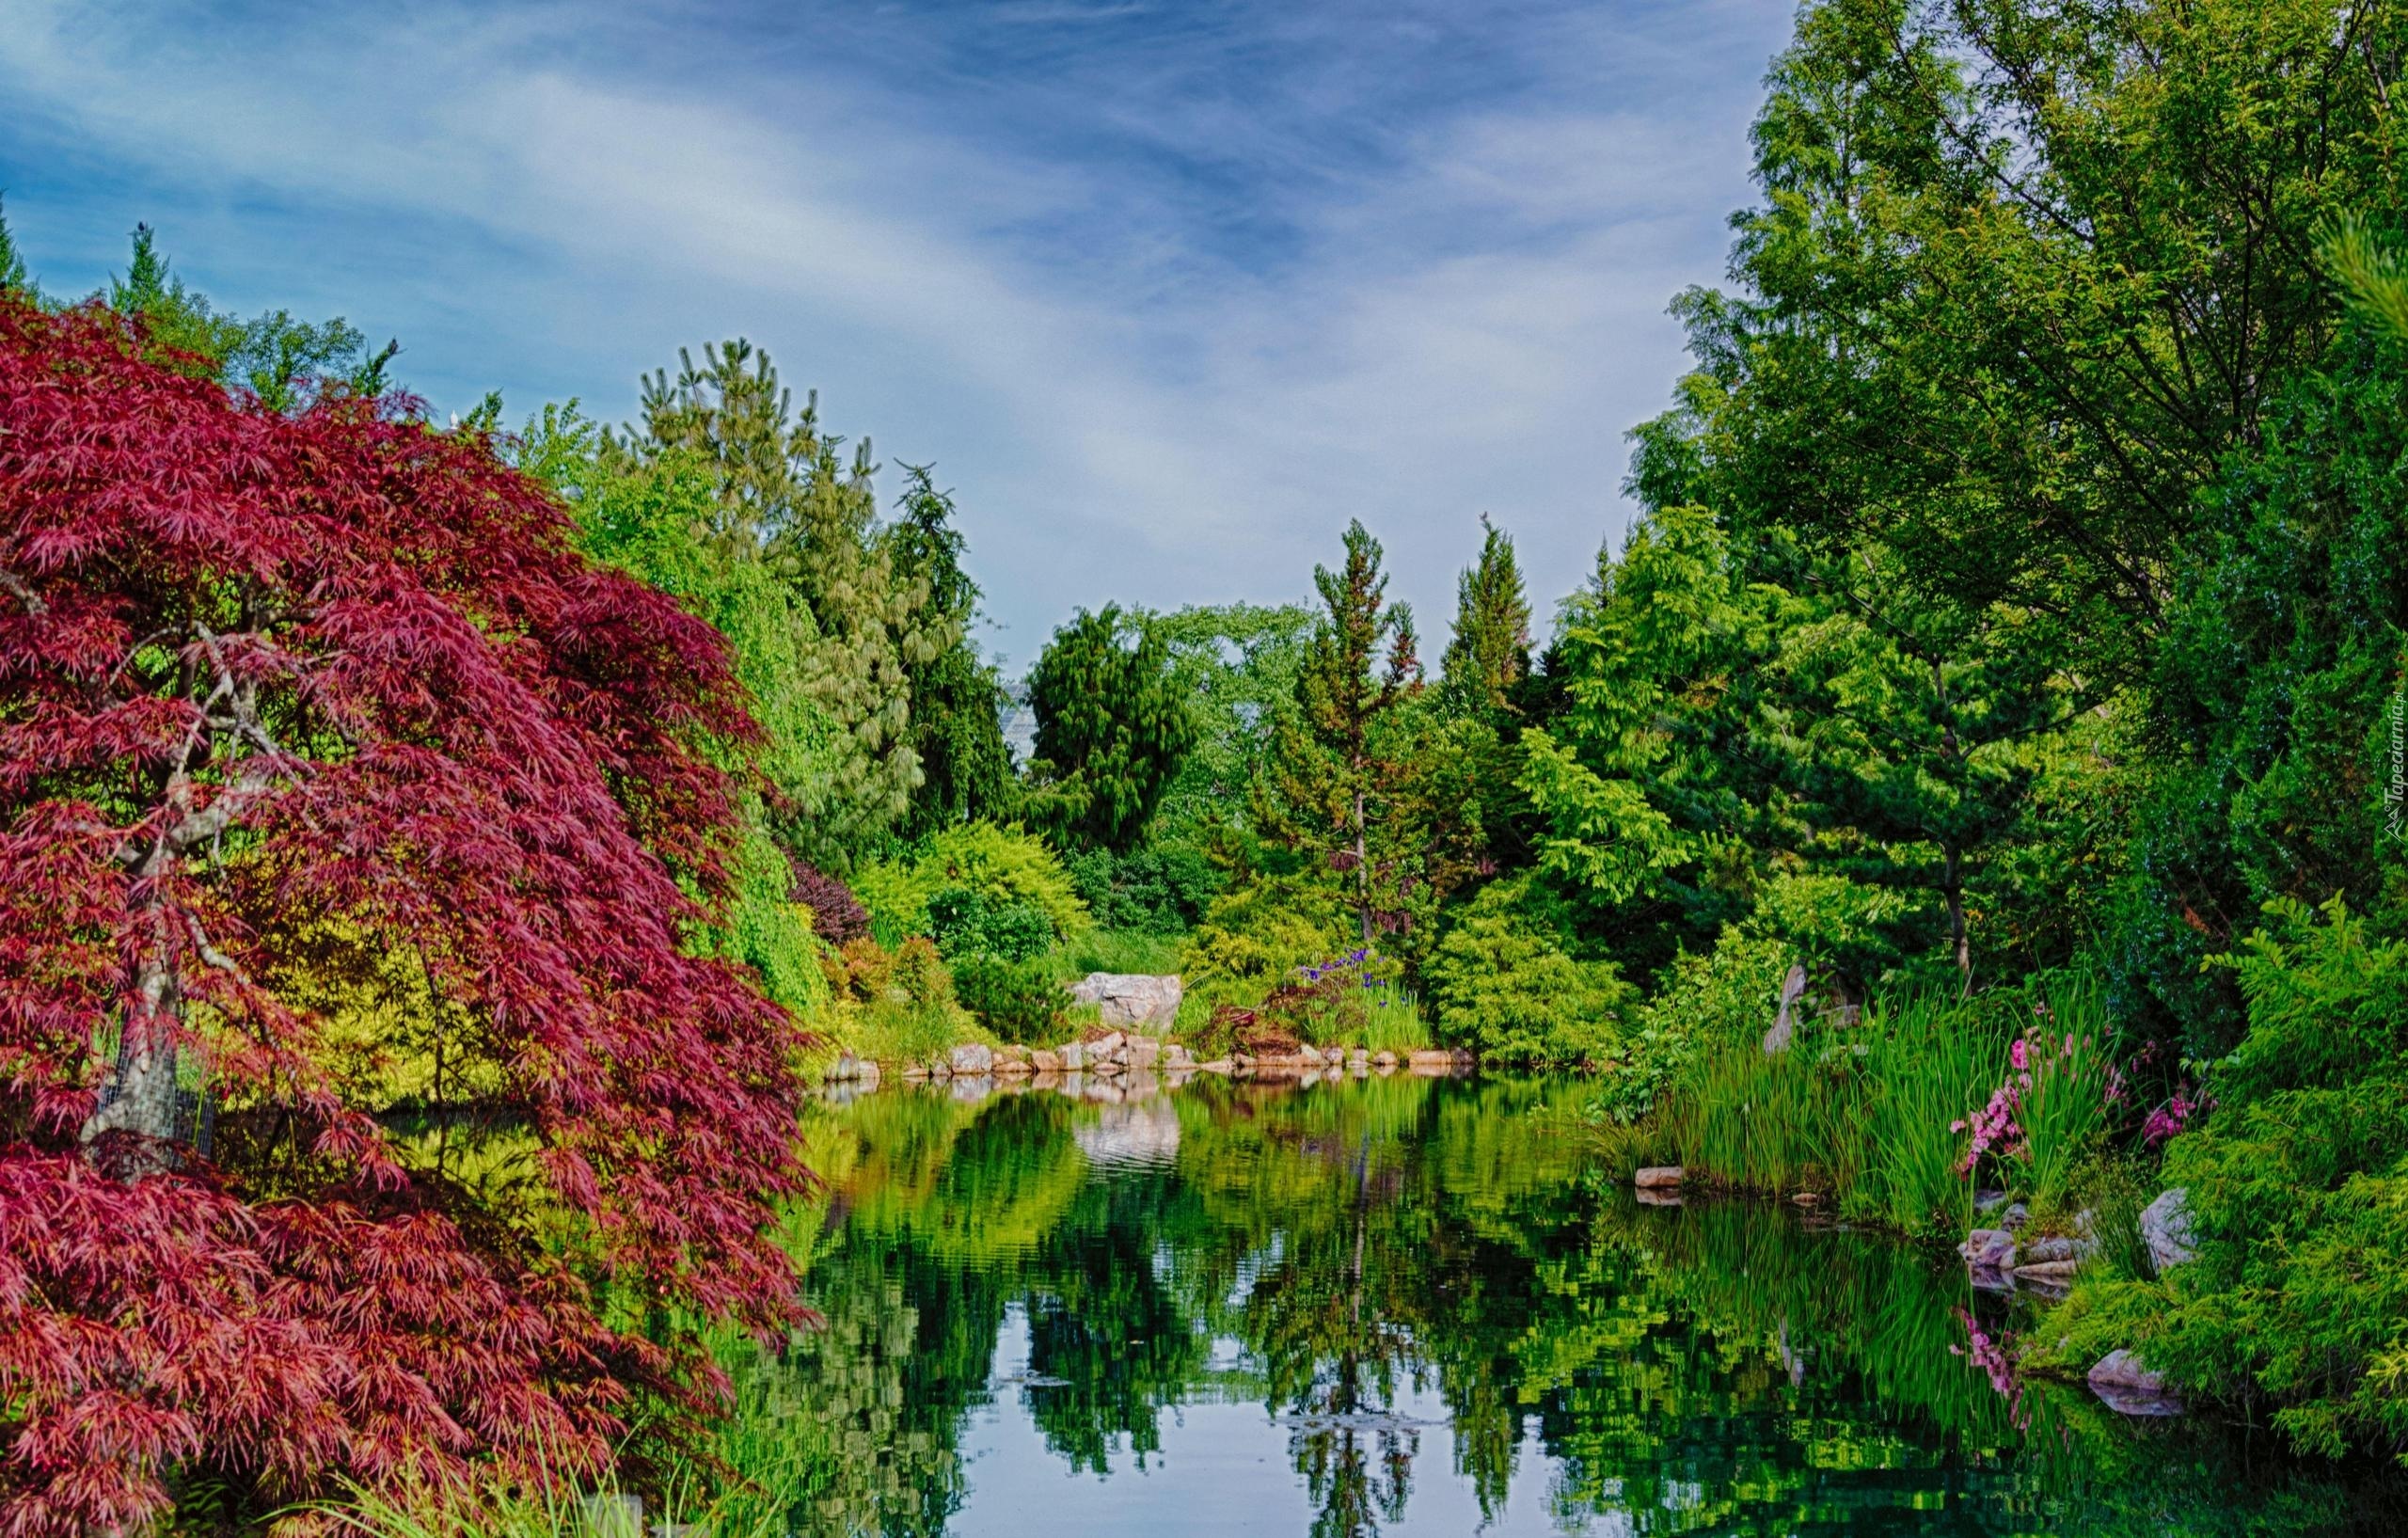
{"x":380,"y":1022}
{"x":1002,"y":864}
{"x":1256,"y":934}
{"x":1502,"y":984}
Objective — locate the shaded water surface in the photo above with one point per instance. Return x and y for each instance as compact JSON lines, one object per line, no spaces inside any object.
{"x":1404,"y":1307}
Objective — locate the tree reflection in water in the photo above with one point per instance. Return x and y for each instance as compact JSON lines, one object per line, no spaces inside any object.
{"x":1388,"y":1266}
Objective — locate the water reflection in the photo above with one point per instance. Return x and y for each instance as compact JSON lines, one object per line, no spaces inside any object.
{"x":1401,"y":1306}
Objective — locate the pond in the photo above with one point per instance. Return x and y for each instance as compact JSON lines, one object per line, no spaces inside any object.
{"x":1407,"y":1305}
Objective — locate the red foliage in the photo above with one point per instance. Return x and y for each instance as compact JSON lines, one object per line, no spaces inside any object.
{"x":265,"y":678}
{"x":836,"y":914}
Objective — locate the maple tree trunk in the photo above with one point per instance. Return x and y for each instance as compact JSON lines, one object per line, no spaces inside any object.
{"x":141,"y":1095}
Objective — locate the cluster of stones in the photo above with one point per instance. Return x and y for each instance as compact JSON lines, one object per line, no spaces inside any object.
{"x":1118,"y":1065}
{"x":2001,"y":1259}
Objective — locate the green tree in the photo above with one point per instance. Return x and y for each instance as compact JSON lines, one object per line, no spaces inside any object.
{"x":957,"y":700}
{"x":1652,"y":805}
{"x":1236,"y":665}
{"x":786,"y":495}
{"x":1362,"y":663}
{"x":1112,"y":728}
{"x":13,"y":277}
{"x":1488,"y":658}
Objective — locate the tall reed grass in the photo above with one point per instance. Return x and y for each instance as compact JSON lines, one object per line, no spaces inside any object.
{"x":1876,"y":1114}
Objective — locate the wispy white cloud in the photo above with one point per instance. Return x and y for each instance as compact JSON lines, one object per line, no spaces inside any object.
{"x":1164,"y":326}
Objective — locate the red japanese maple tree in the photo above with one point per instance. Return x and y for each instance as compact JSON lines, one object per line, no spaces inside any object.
{"x":282,"y":699}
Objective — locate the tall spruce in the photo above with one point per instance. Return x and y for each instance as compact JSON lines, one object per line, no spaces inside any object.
{"x":1488,"y":658}
{"x":1362,"y":663}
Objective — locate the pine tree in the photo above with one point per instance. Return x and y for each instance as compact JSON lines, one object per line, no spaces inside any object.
{"x":1488,"y":658}
{"x":1361,"y":665}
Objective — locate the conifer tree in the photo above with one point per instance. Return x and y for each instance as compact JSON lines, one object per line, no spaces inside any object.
{"x":13,"y":278}
{"x":1361,"y":665}
{"x":957,"y":700}
{"x":1488,"y":658}
{"x":1112,"y":728}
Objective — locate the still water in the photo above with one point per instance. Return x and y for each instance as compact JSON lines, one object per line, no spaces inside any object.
{"x":1407,"y":1306}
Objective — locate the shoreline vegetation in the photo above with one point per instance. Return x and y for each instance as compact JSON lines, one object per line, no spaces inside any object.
{"x":438,"y":856}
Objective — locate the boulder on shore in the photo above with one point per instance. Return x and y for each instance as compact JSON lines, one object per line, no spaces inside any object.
{"x":2124,"y":1385}
{"x":1125,"y":999}
{"x":971,"y":1059}
{"x":1659,"y":1176}
{"x":2165,"y":1227}
{"x":1989,"y":1249}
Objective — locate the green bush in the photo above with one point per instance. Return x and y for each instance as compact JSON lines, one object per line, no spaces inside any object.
{"x":1256,"y":934}
{"x":2298,"y":1192}
{"x":1163,"y":889}
{"x":1001,"y":864}
{"x":1018,"y":1001}
{"x":966,"y":923}
{"x":1502,"y":984}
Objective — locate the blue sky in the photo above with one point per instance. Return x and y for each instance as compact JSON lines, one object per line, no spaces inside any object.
{"x":1168,"y":291}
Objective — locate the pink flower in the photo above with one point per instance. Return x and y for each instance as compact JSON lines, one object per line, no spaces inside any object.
{"x":2015,"y":1054}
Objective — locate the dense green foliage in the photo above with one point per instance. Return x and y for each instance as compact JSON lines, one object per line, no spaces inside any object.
{"x":1111,"y":729}
{"x":1003,"y":865}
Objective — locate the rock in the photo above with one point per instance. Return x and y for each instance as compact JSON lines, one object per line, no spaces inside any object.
{"x":1220,"y":1065}
{"x":2055,"y":1249}
{"x":1659,"y":1176}
{"x":1045,"y":1060}
{"x":2165,"y":1226}
{"x":2015,"y":1217}
{"x":2124,"y":1385}
{"x":1074,"y":1057}
{"x":1651,"y":1197}
{"x":1427,"y":1063}
{"x":2051,"y":1275}
{"x":1808,"y":1199}
{"x":1358,"y":1057}
{"x":1015,"y":1067}
{"x":972,"y":1087}
{"x":1175,"y":1054}
{"x":1989,"y":1201}
{"x":1107,"y":1045}
{"x":867,"y":1074}
{"x":914,"y":1072}
{"x":1793,"y":987}
{"x":1383,"y":1061}
{"x":1989,"y":1249}
{"x":1107,"y":1065}
{"x":1144,"y":1051}
{"x":970,"y":1058}
{"x":1124,"y":998}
